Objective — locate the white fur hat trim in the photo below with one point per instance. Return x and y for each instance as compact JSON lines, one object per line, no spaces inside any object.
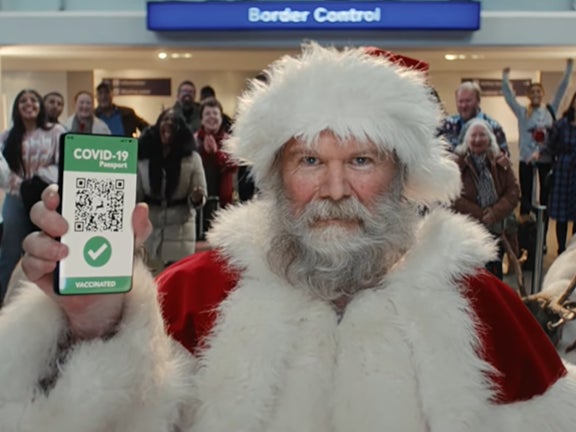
{"x":352,"y":94}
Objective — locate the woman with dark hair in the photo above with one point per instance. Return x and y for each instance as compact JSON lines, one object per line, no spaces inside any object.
{"x":29,"y":149}
{"x":171,"y":180}
{"x":562,"y":204}
{"x":220,"y":171}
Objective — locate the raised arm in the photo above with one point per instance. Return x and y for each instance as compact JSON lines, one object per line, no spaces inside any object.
{"x":562,"y":86}
{"x":509,"y":96}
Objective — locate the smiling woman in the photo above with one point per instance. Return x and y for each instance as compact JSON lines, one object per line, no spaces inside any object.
{"x":171,"y":180}
{"x":29,"y":151}
{"x":490,"y":191}
{"x":83,"y":120}
{"x":220,"y":170}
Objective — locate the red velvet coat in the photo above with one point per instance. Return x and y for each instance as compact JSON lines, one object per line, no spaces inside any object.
{"x":512,"y":341}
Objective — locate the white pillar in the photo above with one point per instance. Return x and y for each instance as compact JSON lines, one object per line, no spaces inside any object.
{"x":3,"y":120}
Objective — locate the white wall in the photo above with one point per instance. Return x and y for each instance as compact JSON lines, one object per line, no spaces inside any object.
{"x":550,"y":81}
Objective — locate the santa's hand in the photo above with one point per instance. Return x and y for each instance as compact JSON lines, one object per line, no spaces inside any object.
{"x":91,"y":315}
{"x":42,"y":251}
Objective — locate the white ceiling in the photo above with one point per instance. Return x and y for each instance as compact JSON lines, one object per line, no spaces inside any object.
{"x":71,"y":58}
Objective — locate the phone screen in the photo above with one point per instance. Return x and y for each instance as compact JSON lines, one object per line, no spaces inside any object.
{"x":97,"y":197}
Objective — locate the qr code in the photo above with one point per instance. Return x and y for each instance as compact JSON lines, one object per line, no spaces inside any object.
{"x":99,"y":205}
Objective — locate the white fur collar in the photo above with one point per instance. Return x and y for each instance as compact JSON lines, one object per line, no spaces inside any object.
{"x":278,"y":360}
{"x":445,"y":240}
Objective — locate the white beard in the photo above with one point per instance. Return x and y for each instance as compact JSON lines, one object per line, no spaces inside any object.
{"x":340,"y":259}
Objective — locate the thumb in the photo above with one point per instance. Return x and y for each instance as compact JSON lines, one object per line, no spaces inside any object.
{"x":141,"y":224}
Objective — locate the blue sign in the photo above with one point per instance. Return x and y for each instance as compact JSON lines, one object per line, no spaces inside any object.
{"x":316,"y":15}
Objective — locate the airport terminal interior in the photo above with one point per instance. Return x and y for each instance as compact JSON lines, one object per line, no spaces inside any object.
{"x":358,"y":244}
{"x":145,"y":76}
{"x":72,"y":69}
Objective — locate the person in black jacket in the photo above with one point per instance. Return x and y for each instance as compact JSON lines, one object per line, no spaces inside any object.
{"x":121,"y":120}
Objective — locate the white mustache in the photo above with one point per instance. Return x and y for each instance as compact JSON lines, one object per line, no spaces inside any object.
{"x":348,"y":209}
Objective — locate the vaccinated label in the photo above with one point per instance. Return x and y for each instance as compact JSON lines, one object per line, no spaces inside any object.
{"x":98,"y":197}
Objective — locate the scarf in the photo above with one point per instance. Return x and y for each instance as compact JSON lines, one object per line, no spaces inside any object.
{"x":485,"y":185}
{"x":82,"y":126}
{"x":218,"y":136}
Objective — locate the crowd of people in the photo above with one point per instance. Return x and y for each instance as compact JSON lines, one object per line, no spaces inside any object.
{"x":491,"y":190}
{"x":182,"y":169}
{"x":185,"y":175}
{"x":331,"y":302}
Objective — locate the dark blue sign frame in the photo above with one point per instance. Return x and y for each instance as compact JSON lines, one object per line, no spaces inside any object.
{"x":315,"y":15}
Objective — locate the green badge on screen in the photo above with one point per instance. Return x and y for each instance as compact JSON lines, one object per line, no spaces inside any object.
{"x":97,"y":251}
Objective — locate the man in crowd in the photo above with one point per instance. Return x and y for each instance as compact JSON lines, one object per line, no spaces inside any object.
{"x":468,"y":105}
{"x":187,"y":106}
{"x":207,"y":92}
{"x":54,"y":105}
{"x":121,"y":120}
{"x":327,"y":305}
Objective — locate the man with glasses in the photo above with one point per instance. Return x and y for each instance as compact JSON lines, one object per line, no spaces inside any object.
{"x":186,"y":105}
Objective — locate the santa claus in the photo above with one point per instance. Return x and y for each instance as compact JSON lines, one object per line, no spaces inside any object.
{"x":326,"y":305}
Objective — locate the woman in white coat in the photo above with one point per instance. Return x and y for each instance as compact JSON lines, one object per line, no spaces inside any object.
{"x":171,"y":180}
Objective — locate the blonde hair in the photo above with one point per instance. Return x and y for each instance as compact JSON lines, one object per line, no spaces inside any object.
{"x":472,"y":86}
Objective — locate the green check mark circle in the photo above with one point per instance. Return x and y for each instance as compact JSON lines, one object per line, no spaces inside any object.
{"x":97,"y":251}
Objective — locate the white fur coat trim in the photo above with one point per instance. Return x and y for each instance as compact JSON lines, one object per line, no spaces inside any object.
{"x":135,"y":381}
{"x":554,"y":411}
{"x":556,"y":281}
{"x":279,"y":361}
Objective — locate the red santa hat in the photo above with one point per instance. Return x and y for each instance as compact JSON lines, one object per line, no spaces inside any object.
{"x":351,"y":93}
{"x":399,"y":59}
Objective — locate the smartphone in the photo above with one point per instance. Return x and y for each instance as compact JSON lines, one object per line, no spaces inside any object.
{"x":97,"y":186}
